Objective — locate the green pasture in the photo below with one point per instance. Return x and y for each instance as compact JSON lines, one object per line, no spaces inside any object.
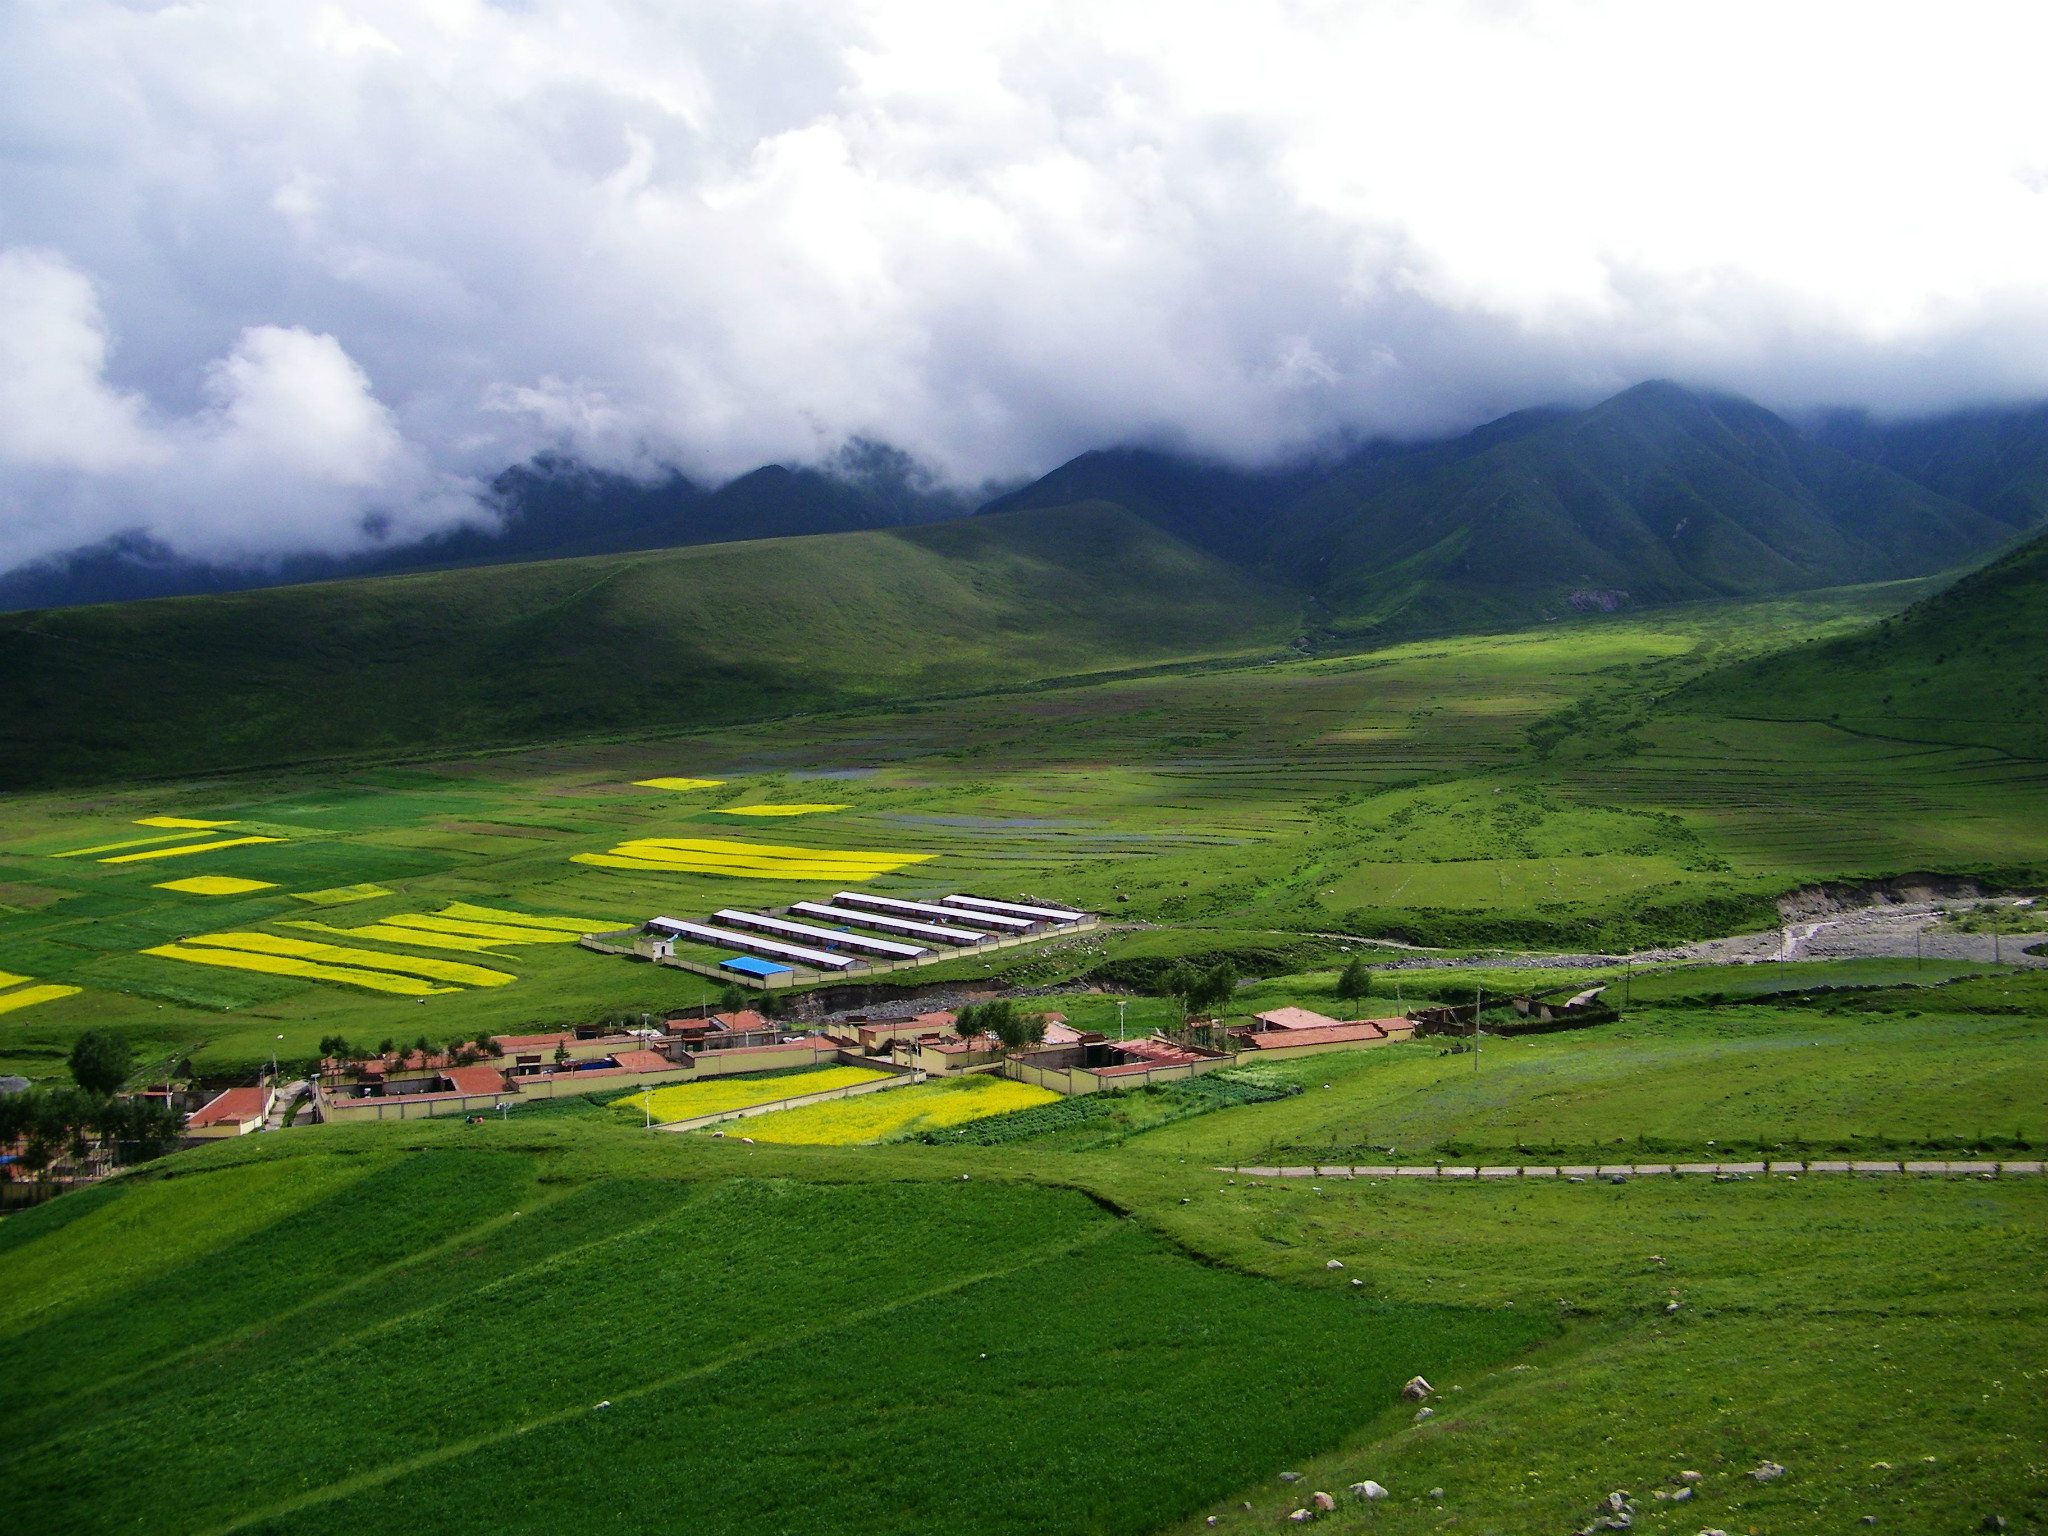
{"x":790,"y":1335}
{"x":1504,"y":792}
{"x":1665,"y":1082}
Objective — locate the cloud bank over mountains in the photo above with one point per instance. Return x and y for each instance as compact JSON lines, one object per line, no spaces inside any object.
{"x":282,"y":277}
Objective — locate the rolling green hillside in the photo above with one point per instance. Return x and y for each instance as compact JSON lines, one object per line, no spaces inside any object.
{"x":1993,"y":460}
{"x":672,"y":638}
{"x":1966,"y":666}
{"x":1658,"y":495}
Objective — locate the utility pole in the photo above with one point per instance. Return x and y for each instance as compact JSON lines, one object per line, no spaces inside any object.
{"x":1478,"y":1004}
{"x":1121,"y":1005}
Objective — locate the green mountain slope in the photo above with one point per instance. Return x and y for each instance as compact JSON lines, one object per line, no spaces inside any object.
{"x":624,"y":642}
{"x":1658,"y":495}
{"x":1967,"y":665}
{"x":1993,"y":460}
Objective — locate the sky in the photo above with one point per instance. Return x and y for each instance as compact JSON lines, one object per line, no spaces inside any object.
{"x":281,"y":277}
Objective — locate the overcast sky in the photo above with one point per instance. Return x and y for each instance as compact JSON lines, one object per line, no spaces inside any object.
{"x":280,"y":276}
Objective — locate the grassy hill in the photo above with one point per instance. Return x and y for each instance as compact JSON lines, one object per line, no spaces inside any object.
{"x":672,"y":638}
{"x":568,"y":1324}
{"x":1965,"y":666}
{"x":1659,"y":495}
{"x":1994,"y":460}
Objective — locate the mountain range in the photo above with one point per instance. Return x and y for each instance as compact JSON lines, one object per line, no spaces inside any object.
{"x":1659,"y":494}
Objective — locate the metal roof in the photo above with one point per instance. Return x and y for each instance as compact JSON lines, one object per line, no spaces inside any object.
{"x":924,"y":909}
{"x":751,"y":967}
{"x":815,"y":958}
{"x":765,"y":924}
{"x":890,"y":924}
{"x":981,"y":907}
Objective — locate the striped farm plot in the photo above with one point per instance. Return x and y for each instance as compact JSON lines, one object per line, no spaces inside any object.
{"x":465,"y":928}
{"x":16,"y":993}
{"x":178,"y":837}
{"x":346,"y":965}
{"x":747,"y":861}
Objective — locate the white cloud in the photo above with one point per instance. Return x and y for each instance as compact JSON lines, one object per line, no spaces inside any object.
{"x":994,"y":235}
{"x":292,"y":450}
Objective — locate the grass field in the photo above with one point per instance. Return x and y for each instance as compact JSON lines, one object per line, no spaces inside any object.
{"x":1509,"y":790}
{"x":893,"y":1348}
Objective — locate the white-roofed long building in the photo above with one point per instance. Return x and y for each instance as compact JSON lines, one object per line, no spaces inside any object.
{"x":854,"y":933}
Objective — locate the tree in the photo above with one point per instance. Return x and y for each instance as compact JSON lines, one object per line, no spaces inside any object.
{"x":485,"y":1042}
{"x":1356,"y":982}
{"x":99,"y":1061}
{"x":732,"y":1000}
{"x":1200,"y":991}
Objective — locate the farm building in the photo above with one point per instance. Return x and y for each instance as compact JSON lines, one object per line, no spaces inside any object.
{"x":1095,"y":1064}
{"x":1283,"y":1032}
{"x":723,"y":1031}
{"x":850,"y":932}
{"x":236,"y":1112}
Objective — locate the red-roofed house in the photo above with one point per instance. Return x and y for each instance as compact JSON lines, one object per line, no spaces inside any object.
{"x":1291,"y":1018}
{"x":234,"y":1113}
{"x":475,"y":1080}
{"x":1273,"y":1044}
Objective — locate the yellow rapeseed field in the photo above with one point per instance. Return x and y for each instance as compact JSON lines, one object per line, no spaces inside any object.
{"x":898,"y":1112}
{"x":215,"y":885}
{"x":370,"y":959}
{"x":679,"y":784}
{"x":9,"y":979}
{"x":184,"y":822}
{"x":180,"y":851}
{"x":335,"y":895}
{"x":285,"y":965}
{"x":778,"y":810}
{"x":748,"y":861}
{"x":468,"y":933}
{"x":684,"y":1101}
{"x":28,"y":997}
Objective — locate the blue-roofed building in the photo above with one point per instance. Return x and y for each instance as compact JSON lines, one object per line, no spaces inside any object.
{"x":747,"y":965}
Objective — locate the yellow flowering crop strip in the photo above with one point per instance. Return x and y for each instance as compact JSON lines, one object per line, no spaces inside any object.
{"x":685,"y":1101}
{"x":748,"y":861}
{"x":335,"y":895}
{"x":308,"y":970}
{"x":573,"y":926}
{"x":384,"y":934}
{"x":778,"y":810}
{"x":898,"y":1112}
{"x":172,"y":853}
{"x":185,"y":823}
{"x":9,"y":979}
{"x":28,"y":997}
{"x":215,"y":885}
{"x":678,"y":784}
{"x":371,"y":959}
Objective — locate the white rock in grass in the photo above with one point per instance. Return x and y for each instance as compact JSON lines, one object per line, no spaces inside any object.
{"x":1417,"y":1389}
{"x":1290,"y":1477}
{"x":1767,"y":1472}
{"x":1324,"y":1502}
{"x":1356,"y":1281}
{"x":1301,"y":1517}
{"x":605,"y":1404}
{"x":1424,"y":1413}
{"x":1334,"y":1264}
{"x":1682,"y":1494}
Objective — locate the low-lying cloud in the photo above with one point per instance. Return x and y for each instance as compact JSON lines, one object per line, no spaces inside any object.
{"x":279,"y":277}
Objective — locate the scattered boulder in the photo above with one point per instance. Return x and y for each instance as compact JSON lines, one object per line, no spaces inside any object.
{"x":1436,"y":1493}
{"x":1616,"y":1512}
{"x":1417,"y":1389}
{"x":1324,"y":1502}
{"x":1424,"y":1413}
{"x":1690,"y":1477}
{"x":1356,"y":1281}
{"x":1334,"y":1264}
{"x":1213,"y":1520}
{"x":1682,"y":1494}
{"x":1290,"y":1477}
{"x":605,"y":1404}
{"x":1368,"y":1490}
{"x":1767,"y":1472}
{"x":1301,"y":1517}
{"x":1670,"y":1307}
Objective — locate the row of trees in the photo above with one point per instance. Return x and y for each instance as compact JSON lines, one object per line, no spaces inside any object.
{"x":50,"y":1122}
{"x":1001,"y":1019}
{"x":460,"y":1050}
